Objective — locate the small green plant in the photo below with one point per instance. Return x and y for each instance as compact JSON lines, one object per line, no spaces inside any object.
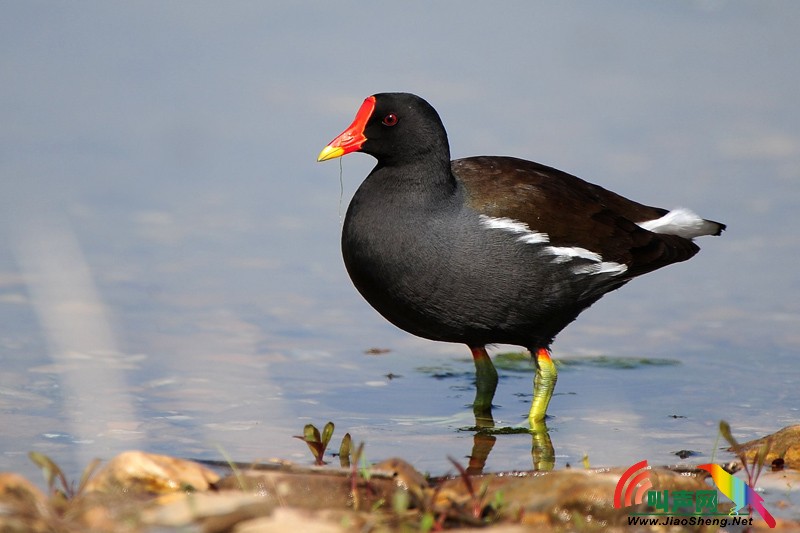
{"x":317,"y":443}
{"x":477,"y":497}
{"x":345,"y":451}
{"x":354,"y":474}
{"x":53,"y":475}
{"x":427,"y":522}
{"x":237,"y":472}
{"x":753,"y":469}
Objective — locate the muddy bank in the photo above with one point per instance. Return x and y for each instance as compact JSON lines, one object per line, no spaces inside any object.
{"x":140,"y":492}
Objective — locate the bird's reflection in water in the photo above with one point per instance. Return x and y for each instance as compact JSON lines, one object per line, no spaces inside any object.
{"x":486,"y":431}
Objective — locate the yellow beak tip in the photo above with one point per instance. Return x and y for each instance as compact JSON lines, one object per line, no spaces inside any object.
{"x":330,"y":152}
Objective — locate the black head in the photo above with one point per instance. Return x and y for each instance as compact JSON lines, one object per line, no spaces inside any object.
{"x":394,"y":128}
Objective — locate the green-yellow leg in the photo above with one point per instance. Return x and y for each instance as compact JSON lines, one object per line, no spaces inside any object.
{"x":544,"y":456}
{"x":543,"y":384}
{"x":485,"y":382}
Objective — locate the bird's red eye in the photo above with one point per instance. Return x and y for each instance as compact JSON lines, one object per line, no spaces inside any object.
{"x":390,"y":119}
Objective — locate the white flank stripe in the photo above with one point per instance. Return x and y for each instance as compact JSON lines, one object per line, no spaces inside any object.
{"x":508,"y":224}
{"x":597,"y":266}
{"x":527,"y":235}
{"x":534,"y":238}
{"x":561,"y":254}
{"x":565,"y":253}
{"x":604,"y":267}
{"x":681,"y":222}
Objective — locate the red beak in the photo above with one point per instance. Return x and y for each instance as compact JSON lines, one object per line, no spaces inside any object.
{"x":351,"y":139}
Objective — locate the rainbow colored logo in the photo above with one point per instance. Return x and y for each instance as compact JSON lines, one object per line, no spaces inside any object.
{"x":634,"y":485}
{"x":737,"y":491}
{"x":636,"y":489}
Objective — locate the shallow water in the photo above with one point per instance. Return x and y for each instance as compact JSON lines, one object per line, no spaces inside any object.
{"x":170,"y":277}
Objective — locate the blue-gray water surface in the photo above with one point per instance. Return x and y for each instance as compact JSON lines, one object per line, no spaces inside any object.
{"x":170,"y":274}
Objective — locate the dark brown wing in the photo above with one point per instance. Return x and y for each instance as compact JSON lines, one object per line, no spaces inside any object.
{"x":571,"y":211}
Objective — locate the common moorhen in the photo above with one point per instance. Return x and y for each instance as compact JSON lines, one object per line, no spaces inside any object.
{"x":489,"y":249}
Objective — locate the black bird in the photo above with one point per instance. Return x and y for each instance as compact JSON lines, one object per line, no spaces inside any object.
{"x":489,"y":249}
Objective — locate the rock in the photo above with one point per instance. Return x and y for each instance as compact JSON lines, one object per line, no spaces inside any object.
{"x":784,"y":444}
{"x":18,"y":492}
{"x":285,"y":519}
{"x":404,"y":475}
{"x":313,"y":488}
{"x":568,"y":498}
{"x":23,"y":507}
{"x":216,"y":511}
{"x":147,"y":473}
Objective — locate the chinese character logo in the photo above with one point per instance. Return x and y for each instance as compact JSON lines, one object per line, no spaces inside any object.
{"x":637,"y":488}
{"x":688,"y":507}
{"x":739,"y":492}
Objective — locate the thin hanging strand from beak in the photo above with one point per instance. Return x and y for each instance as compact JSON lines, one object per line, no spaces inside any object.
{"x":341,"y":192}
